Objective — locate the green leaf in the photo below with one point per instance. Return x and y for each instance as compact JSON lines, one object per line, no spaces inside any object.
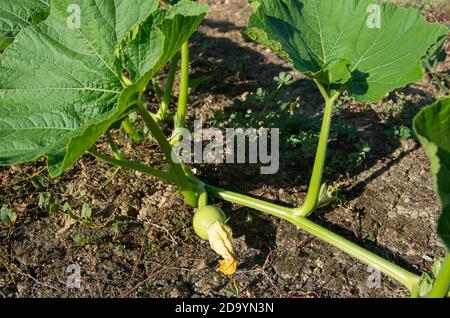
{"x":432,"y":126}
{"x":7,"y":216}
{"x":167,"y":31}
{"x":80,"y":240}
{"x":15,"y":15}
{"x":336,"y":72}
{"x":59,"y":86}
{"x":328,"y":42}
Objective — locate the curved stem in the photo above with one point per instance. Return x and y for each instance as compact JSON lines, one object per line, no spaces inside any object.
{"x":135,"y":166}
{"x":180,"y":117}
{"x":182,"y":180}
{"x":164,"y":106}
{"x":409,"y":280}
{"x":244,"y":200}
{"x":312,"y":198}
{"x":203,"y":199}
{"x":441,"y":285}
{"x":406,"y":278}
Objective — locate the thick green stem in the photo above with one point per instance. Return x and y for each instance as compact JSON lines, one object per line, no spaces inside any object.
{"x":163,"y":112}
{"x":441,"y":285}
{"x":203,"y":199}
{"x":180,"y":117}
{"x":260,"y":205}
{"x":131,"y":130}
{"x":166,"y":176}
{"x":312,"y":198}
{"x":189,"y":186}
{"x":183,"y":182}
{"x":409,"y":280}
{"x":406,"y":278}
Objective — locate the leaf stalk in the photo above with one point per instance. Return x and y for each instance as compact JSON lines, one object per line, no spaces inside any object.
{"x":312,"y":197}
{"x":180,"y":116}
{"x":163,"y":112}
{"x":185,"y":187}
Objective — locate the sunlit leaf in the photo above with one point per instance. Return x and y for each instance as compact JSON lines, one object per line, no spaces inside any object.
{"x":375,"y":47}
{"x":60,"y":84}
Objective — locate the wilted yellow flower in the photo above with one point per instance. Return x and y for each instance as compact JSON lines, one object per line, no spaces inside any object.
{"x":220,"y":236}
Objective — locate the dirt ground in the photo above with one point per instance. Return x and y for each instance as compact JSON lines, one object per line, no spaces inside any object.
{"x":140,"y":242}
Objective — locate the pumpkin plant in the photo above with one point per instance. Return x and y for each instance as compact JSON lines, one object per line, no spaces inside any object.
{"x":62,"y":88}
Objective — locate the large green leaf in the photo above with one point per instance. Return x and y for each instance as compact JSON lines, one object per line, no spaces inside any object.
{"x":432,"y":126}
{"x":337,"y":41}
{"x":16,"y":15}
{"x":59,"y":87}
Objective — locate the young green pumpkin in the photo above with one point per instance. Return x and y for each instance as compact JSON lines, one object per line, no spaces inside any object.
{"x":209,"y":224}
{"x":205,"y":217}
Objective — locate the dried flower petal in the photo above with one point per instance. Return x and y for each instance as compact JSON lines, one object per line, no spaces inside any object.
{"x":228,"y":267}
{"x":220,"y":236}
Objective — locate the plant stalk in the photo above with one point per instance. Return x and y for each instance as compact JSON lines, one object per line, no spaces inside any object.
{"x":166,"y":176}
{"x":157,"y":88}
{"x":312,"y":197}
{"x":183,"y":182}
{"x":180,"y":117}
{"x":409,"y":280}
{"x":203,"y":199}
{"x":163,"y":112}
